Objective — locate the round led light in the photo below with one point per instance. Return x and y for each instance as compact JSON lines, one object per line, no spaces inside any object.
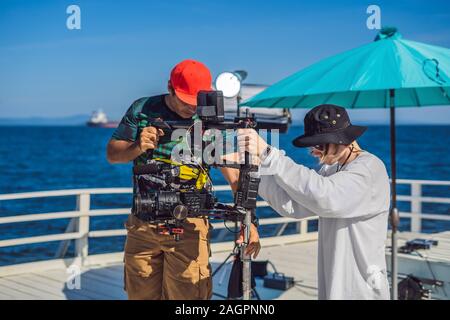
{"x":229,"y":83}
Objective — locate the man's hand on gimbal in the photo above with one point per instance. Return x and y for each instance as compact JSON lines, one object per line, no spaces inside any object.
{"x":250,"y":141}
{"x":149,"y":137}
{"x":254,"y":246}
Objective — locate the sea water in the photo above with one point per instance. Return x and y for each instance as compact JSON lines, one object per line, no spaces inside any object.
{"x":53,"y":158}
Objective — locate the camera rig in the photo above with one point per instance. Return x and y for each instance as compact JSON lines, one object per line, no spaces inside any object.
{"x":168,"y":192}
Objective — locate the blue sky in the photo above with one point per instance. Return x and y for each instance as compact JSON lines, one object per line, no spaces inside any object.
{"x":125,"y":49}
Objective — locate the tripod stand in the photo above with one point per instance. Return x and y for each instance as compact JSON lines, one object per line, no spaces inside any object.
{"x":237,"y":251}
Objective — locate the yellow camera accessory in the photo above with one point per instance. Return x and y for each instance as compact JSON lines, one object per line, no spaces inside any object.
{"x":189,"y":172}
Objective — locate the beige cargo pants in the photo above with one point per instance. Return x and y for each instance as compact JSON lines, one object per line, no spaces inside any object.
{"x":158,"y":267}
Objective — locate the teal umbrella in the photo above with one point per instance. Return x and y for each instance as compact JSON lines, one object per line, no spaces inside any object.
{"x":390,"y":72}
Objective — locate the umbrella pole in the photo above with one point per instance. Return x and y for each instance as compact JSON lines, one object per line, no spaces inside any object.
{"x":394,"y":218}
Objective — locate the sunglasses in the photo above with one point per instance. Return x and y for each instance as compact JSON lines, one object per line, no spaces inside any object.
{"x":320,"y":147}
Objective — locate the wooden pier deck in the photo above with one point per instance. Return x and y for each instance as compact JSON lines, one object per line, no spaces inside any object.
{"x":293,"y":254}
{"x":104,"y":279}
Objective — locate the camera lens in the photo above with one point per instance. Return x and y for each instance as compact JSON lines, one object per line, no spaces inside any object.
{"x":137,"y":202}
{"x":144,"y":203}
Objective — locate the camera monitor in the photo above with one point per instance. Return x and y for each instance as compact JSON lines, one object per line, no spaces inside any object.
{"x":210,"y":106}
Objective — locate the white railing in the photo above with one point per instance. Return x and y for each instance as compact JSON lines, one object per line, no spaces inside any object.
{"x":416,"y":199}
{"x":79,"y":230}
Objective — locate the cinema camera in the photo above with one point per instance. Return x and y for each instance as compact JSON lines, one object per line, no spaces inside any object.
{"x":167,"y":192}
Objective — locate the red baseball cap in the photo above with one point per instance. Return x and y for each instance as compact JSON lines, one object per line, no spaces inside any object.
{"x":188,"y":78}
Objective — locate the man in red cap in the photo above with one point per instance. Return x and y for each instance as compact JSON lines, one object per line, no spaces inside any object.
{"x":157,"y":266}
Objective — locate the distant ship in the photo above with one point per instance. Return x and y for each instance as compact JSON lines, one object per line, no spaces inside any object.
{"x":100,"y":120}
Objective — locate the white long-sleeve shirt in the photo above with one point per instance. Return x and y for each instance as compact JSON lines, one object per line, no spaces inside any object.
{"x":352,"y":206}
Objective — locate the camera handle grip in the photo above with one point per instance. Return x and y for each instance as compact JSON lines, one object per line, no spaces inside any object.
{"x":247,"y":158}
{"x":151,"y":168}
{"x":144,"y":121}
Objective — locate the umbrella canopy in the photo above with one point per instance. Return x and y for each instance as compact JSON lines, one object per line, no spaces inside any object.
{"x":361,"y":78}
{"x":389,"y":72}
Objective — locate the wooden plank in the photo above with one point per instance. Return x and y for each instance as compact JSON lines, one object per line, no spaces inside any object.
{"x":87,"y":290}
{"x":14,"y":293}
{"x":32,"y":283}
{"x":53,"y":283}
{"x":105,"y":291}
{"x":104,"y":259}
{"x":26,"y":291}
{"x":4,"y":295}
{"x":103,"y":278}
{"x":108,"y":274}
{"x":115,"y":268}
{"x":43,"y":289}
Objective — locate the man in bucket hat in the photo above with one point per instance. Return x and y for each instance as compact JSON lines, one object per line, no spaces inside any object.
{"x":349,"y":194}
{"x":156,"y":265}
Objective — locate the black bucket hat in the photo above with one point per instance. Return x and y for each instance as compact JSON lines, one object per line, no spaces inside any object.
{"x":328,"y":123}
